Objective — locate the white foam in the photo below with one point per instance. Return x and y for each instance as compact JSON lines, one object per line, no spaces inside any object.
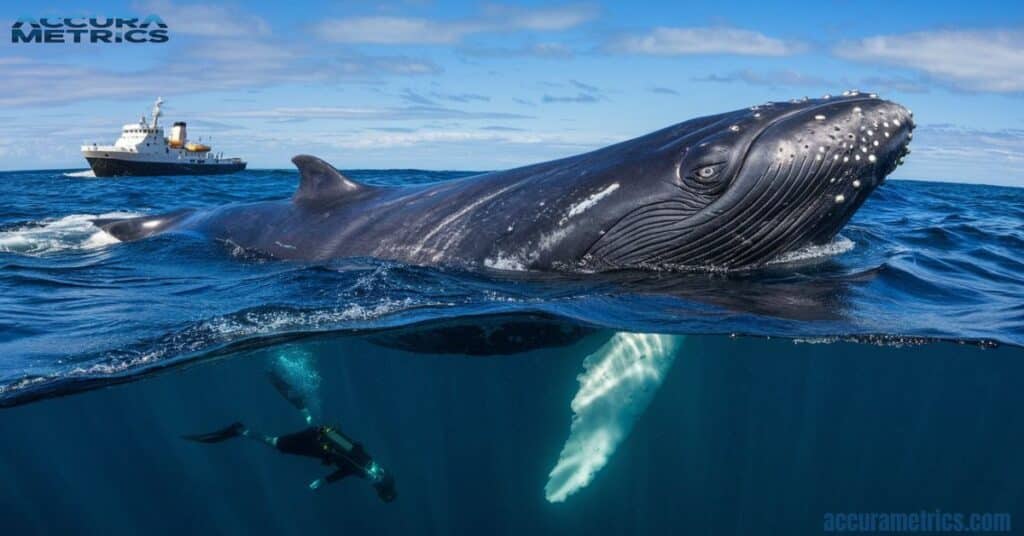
{"x":618,"y":382}
{"x":839,"y":245}
{"x":83,"y":173}
{"x":74,"y":232}
{"x":254,"y":323}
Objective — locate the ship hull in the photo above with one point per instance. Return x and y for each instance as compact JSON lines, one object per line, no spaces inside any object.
{"x":115,"y":167}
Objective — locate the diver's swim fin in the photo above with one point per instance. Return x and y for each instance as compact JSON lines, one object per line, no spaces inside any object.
{"x":234,"y":430}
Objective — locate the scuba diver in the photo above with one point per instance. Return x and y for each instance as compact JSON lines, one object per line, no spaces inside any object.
{"x":325,"y":443}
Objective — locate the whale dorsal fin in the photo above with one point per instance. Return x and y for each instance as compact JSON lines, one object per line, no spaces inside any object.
{"x":319,"y":182}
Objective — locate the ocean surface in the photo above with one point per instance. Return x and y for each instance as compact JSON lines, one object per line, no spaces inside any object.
{"x":879,"y":373}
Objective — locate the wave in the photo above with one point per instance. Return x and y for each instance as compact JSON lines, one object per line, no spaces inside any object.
{"x":78,"y":314}
{"x":839,"y":245}
{"x":83,"y":173}
{"x":73,"y":232}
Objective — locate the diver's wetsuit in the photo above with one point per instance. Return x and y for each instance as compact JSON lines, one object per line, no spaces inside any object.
{"x":332,"y":448}
{"x":324,"y":443}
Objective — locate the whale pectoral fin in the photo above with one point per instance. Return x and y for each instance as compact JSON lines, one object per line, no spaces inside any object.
{"x":319,"y":182}
{"x":618,"y":382}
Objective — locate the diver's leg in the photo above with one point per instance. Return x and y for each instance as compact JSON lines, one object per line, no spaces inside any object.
{"x":233,"y":430}
{"x":269,"y":440}
{"x":618,"y":382}
{"x":302,"y":443}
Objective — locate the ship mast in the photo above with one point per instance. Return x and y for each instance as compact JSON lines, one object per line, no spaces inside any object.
{"x":156,"y":110}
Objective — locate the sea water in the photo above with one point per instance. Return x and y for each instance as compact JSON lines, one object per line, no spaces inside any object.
{"x":878,"y":374}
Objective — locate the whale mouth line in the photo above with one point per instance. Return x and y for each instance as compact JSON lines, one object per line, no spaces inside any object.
{"x":820,"y":179}
{"x":835,"y":175}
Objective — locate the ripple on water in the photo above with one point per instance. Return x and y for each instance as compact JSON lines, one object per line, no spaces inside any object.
{"x":919,"y":260}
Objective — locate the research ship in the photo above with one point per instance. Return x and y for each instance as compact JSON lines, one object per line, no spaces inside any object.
{"x":143,"y":150}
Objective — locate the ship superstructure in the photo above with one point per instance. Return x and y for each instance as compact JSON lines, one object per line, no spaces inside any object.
{"x":142,"y":150}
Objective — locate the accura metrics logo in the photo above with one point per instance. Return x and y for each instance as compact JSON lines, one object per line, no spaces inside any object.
{"x":149,"y":29}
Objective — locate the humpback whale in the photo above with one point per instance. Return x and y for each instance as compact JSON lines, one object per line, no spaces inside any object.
{"x":726,"y":191}
{"x":729,"y":191}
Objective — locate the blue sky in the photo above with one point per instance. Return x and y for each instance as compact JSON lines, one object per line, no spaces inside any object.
{"x":467,"y":85}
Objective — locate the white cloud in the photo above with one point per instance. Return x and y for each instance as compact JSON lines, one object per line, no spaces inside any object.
{"x":770,"y":78}
{"x":412,"y":30}
{"x":15,"y":60}
{"x":487,"y":144}
{"x":364,"y":113}
{"x":974,"y":60}
{"x":393,"y":30}
{"x":951,"y":152}
{"x":225,"y":65}
{"x":711,"y":40}
{"x":366,"y":140}
{"x":205,"y":19}
{"x":550,"y":19}
{"x":537,"y":50}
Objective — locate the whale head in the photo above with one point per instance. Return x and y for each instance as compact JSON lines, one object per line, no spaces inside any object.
{"x":742,"y":188}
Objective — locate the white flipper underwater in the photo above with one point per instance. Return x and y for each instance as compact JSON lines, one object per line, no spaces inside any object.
{"x":618,"y":382}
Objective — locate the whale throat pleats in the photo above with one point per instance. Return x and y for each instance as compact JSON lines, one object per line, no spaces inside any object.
{"x":320,"y":183}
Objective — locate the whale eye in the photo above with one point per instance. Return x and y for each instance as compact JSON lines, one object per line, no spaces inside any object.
{"x":707,"y":174}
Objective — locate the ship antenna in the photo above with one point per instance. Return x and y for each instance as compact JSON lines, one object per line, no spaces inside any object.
{"x":156,"y":110}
